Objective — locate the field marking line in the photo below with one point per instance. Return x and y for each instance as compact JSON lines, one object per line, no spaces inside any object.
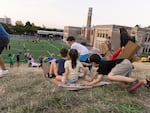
{"x":53,"y":46}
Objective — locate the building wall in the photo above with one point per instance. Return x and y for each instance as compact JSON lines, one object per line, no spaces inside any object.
{"x":71,"y":31}
{"x":5,"y":20}
{"x":144,"y":40}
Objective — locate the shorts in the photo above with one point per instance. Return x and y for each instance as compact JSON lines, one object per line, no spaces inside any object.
{"x":70,"y":81}
{"x":83,"y":58}
{"x":3,"y":43}
{"x":124,"y":68}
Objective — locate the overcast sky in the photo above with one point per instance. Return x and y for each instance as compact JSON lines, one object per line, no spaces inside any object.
{"x":60,"y":13}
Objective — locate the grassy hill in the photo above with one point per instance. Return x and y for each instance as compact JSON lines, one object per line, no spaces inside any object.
{"x":26,"y":90}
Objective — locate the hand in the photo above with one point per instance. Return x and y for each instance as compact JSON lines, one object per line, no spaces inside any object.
{"x":86,"y":83}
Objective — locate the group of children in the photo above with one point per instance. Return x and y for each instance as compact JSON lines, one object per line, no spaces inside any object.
{"x":72,"y":63}
{"x":11,"y":59}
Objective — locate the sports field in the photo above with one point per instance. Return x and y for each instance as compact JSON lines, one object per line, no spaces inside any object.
{"x":36,"y":48}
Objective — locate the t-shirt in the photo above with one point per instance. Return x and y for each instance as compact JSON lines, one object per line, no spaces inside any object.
{"x":3,"y":33}
{"x":106,"y":66}
{"x":10,"y":60}
{"x":60,"y":62}
{"x":82,"y":50}
{"x":17,"y":57}
{"x":73,"y":73}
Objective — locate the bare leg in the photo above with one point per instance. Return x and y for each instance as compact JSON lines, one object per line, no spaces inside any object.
{"x":120,"y":78}
{"x":2,"y":64}
{"x":51,"y":68}
{"x":58,"y":78}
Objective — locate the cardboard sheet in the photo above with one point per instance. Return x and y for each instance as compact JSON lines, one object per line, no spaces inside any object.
{"x":129,"y":50}
{"x":77,"y":86}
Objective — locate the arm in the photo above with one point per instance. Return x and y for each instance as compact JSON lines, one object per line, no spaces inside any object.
{"x":116,"y":53}
{"x":93,"y":81}
{"x":55,"y":68}
{"x":94,"y":73}
{"x":65,"y":74}
{"x":84,"y":70}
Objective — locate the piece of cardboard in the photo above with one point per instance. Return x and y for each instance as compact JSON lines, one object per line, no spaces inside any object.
{"x":77,"y":86}
{"x":103,"y":48}
{"x":129,"y":50}
{"x":46,"y":67}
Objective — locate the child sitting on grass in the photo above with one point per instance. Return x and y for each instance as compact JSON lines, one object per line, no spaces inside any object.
{"x":72,"y":67}
{"x":57,"y":66}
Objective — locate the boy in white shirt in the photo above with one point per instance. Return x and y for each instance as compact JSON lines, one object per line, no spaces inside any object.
{"x":82,"y":50}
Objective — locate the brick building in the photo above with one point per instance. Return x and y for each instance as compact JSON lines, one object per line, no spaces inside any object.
{"x":96,"y":35}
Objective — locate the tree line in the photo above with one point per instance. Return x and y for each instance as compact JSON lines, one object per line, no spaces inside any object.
{"x":27,"y":29}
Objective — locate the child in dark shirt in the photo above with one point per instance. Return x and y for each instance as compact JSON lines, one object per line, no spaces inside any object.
{"x":57,"y":67}
{"x":18,"y":59}
{"x":117,"y":70}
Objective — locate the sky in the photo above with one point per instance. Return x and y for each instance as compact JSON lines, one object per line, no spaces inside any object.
{"x":60,"y":13}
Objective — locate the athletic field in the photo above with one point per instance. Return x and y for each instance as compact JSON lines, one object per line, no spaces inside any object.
{"x":35,"y":48}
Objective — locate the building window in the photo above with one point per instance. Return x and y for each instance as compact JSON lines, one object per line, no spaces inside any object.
{"x":145,"y":38}
{"x":79,"y":32}
{"x":106,"y":35}
{"x":103,"y":35}
{"x":92,"y":32}
{"x":148,"y":39}
{"x":146,"y":50}
{"x":143,"y":50}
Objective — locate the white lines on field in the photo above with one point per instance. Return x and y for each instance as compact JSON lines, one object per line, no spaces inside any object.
{"x":53,"y":46}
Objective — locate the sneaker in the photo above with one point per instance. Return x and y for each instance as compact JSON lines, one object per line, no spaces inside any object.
{"x":47,"y":75}
{"x":4,"y":72}
{"x":148,"y":83}
{"x":1,"y":75}
{"x":134,"y":86}
{"x":52,"y":76}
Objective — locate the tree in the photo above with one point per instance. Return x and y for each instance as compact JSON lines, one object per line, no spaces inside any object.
{"x":137,"y":25}
{"x":19,"y":23}
{"x":28,"y":24}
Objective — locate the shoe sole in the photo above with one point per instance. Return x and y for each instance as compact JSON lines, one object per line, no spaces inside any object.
{"x":135,"y":87}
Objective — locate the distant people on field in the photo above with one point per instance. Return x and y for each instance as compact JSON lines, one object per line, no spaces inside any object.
{"x":4,"y":40}
{"x":27,"y":54}
{"x":41,"y":60}
{"x":10,"y":60}
{"x":18,"y":59}
{"x":9,"y":47}
{"x":31,"y":62}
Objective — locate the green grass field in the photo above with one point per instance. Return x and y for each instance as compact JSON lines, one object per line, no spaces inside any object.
{"x":43,"y":47}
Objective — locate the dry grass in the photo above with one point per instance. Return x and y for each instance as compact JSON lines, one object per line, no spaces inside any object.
{"x":26,"y":90}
